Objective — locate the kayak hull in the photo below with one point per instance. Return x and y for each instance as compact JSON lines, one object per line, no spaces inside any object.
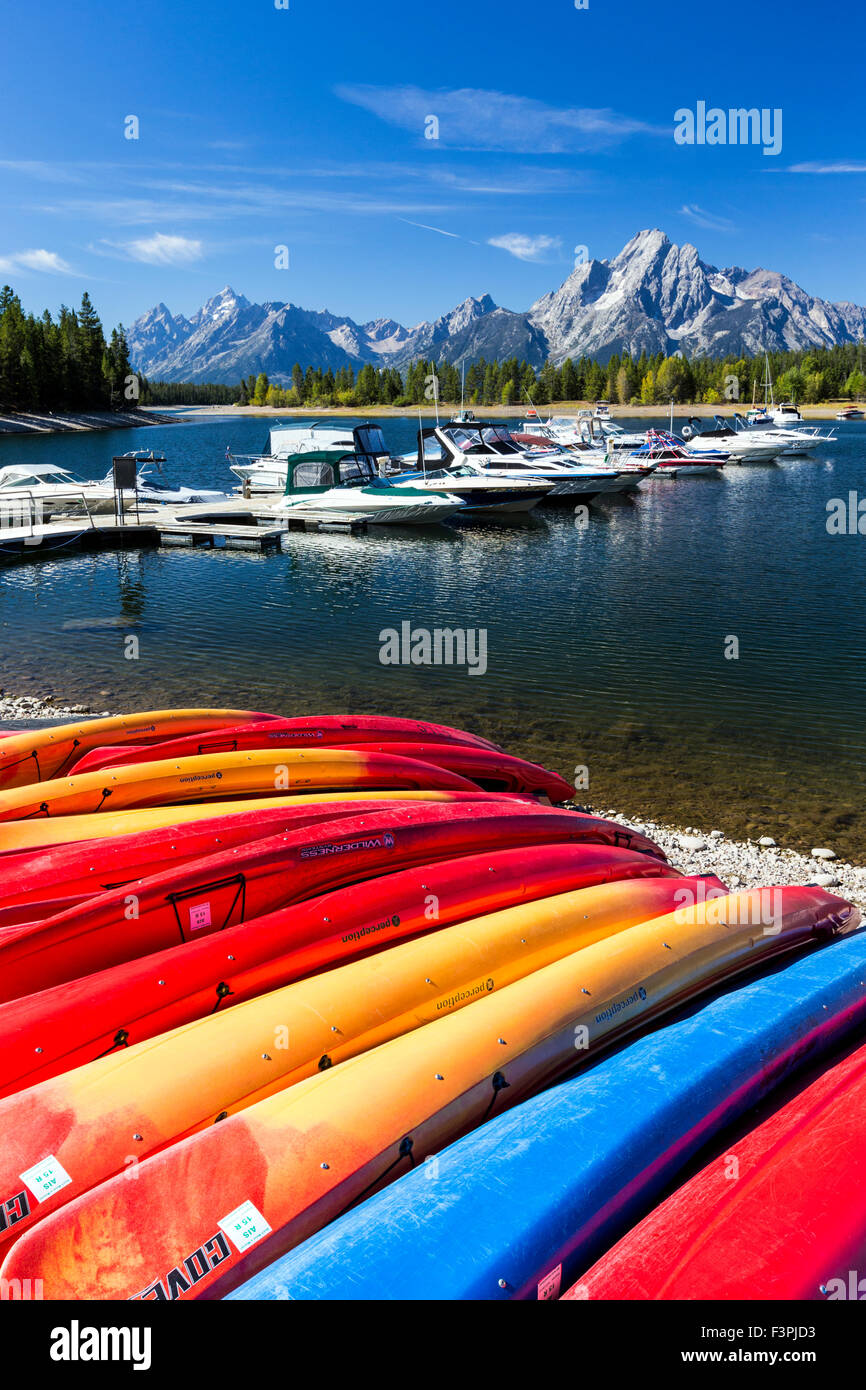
{"x":533,"y":1195}
{"x":45,"y":1034}
{"x":207,"y":1213}
{"x":185,"y":1080}
{"x":207,"y":895}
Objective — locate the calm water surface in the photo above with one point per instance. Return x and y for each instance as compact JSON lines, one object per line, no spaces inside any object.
{"x":606,"y":642}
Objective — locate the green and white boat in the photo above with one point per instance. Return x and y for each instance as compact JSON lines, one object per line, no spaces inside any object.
{"x":330,"y":480}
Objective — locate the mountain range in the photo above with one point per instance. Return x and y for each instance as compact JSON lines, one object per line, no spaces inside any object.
{"x":654,"y":296}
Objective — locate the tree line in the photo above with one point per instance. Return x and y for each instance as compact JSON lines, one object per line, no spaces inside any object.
{"x":49,"y":364}
{"x":821,"y":374}
{"x":67,"y":364}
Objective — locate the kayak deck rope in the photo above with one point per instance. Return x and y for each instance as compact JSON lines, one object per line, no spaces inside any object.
{"x":237,"y":880}
{"x":405,"y":1151}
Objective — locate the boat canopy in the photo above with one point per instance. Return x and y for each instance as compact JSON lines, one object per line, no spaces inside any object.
{"x":323,"y":469}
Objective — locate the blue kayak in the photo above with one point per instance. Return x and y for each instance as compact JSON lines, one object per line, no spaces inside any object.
{"x":521,"y":1206}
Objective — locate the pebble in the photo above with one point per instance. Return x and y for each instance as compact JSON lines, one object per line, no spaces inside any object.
{"x":766,"y":840}
{"x":823,"y":854}
{"x":691,"y":842}
{"x":825,"y":880}
{"x":717,"y":834}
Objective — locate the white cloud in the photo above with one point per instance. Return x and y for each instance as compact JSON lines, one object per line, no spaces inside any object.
{"x":160,"y":249}
{"x":839,"y":166}
{"x":526,"y":248}
{"x":470,"y":118}
{"x":702,"y":218}
{"x":47,"y":261}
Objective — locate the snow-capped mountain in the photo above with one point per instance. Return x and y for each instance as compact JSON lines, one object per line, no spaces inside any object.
{"x":654,"y":297}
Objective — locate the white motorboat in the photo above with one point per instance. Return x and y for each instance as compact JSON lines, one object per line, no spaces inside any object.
{"x":266,"y":472}
{"x":850,"y":412}
{"x":329,"y":480}
{"x":787,"y":442}
{"x":743,"y":446}
{"x":493,"y":448}
{"x":154,"y":486}
{"x":53,"y":490}
{"x":483,"y":494}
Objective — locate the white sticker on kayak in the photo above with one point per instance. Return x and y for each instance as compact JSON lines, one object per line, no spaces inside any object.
{"x":550,"y":1285}
{"x":46,"y":1178}
{"x":199,"y":916}
{"x":244,"y":1226}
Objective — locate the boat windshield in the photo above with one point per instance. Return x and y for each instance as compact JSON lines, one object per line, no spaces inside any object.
{"x":44,"y":477}
{"x":370,"y":440}
{"x":499,"y":440}
{"x":468,"y":441}
{"x":356,"y":472}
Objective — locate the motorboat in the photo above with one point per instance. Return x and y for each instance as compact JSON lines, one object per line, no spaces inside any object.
{"x":786,"y":416}
{"x":266,"y":472}
{"x":788,"y":442}
{"x":46,"y":490}
{"x":330,"y":480}
{"x":493,"y":448}
{"x":741,"y":445}
{"x":673,"y":458}
{"x":850,"y":412}
{"x":154,"y":486}
{"x":483,"y":494}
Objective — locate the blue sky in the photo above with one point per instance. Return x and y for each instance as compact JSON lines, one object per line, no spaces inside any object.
{"x":305,"y":127}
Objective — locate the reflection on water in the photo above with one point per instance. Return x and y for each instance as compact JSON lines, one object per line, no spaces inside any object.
{"x":606,"y":642}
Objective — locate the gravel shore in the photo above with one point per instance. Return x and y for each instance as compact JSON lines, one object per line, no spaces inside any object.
{"x":756,"y":863}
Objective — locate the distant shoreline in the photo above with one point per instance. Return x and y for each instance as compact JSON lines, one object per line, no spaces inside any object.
{"x":78,"y":422}
{"x":681,"y":412}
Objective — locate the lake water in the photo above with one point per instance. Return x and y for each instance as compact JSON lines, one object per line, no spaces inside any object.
{"x":606,"y":643}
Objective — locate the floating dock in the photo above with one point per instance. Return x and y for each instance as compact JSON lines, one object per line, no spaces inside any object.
{"x":223,"y":526}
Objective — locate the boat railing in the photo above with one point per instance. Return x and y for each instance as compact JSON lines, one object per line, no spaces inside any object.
{"x":35,"y":510}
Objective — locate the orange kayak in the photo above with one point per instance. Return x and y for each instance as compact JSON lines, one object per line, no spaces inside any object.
{"x":220,"y":776}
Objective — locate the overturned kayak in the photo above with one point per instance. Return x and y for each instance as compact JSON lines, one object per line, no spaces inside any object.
{"x":518,"y":1208}
{"x":207,"y":895}
{"x":491,"y":769}
{"x":319,"y":731}
{"x":48,"y":1033}
{"x":212,"y":1210}
{"x":219,"y":776}
{"x":780,"y":1216}
{"x":31,"y":837}
{"x":488,"y":767}
{"x":187,"y":1079}
{"x":40,"y":755}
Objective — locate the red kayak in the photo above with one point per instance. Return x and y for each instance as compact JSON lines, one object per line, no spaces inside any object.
{"x":492,"y":770}
{"x":207,"y":895}
{"x":780,"y":1215}
{"x":64,"y":1027}
{"x":34,"y":879}
{"x":314,"y":731}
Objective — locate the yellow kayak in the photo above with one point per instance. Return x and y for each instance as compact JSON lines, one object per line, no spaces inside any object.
{"x":221,"y":776}
{"x":40,"y":755}
{"x":206,"y":1213}
{"x":185,"y":1079}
